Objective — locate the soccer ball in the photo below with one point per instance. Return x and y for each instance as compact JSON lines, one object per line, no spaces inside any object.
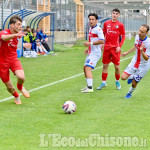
{"x":69,"y":107}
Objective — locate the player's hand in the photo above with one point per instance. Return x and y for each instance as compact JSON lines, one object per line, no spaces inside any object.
{"x":124,"y":54}
{"x":19,"y":34}
{"x":87,"y":44}
{"x":46,"y":39}
{"x":118,"y":49}
{"x":102,"y":47}
{"x":86,"y":51}
{"x":142,"y":47}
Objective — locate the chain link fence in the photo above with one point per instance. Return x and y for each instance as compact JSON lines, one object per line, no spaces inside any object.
{"x":65,"y":17}
{"x":132,"y":21}
{"x":65,"y":13}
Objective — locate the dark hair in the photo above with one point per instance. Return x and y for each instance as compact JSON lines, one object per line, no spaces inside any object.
{"x":27,"y":27}
{"x":14,"y":19}
{"x":116,"y":10}
{"x":32,"y":30}
{"x":93,"y":14}
{"x":145,"y":25}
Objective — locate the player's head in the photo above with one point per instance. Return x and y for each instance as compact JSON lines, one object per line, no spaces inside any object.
{"x":143,"y":31}
{"x":42,"y":29}
{"x":28,"y":28}
{"x":93,"y":18}
{"x":115,"y":14}
{"x":37,"y":30}
{"x":34,"y":34}
{"x":16,"y":23}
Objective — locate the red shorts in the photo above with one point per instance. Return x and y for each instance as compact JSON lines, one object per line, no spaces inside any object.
{"x":110,"y":55}
{"x":4,"y":69}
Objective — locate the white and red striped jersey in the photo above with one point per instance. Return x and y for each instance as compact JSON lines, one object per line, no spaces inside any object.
{"x":138,"y":58}
{"x":95,"y":34}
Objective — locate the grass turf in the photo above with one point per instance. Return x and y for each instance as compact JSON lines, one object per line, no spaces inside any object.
{"x":103,"y":112}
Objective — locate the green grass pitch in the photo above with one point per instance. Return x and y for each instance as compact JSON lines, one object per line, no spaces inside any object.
{"x":103,"y":112}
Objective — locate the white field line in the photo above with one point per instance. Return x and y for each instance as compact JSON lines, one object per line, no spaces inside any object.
{"x":35,"y":89}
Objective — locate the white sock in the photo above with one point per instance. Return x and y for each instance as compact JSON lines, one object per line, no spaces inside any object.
{"x":131,"y":90}
{"x":117,"y":80}
{"x":104,"y":82}
{"x":89,"y":82}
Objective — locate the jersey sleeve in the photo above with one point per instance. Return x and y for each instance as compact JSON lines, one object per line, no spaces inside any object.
{"x":100,"y":34}
{"x":147,"y":52}
{"x":3,"y":33}
{"x":136,"y":38}
{"x":104,"y":28}
{"x":122,"y":30}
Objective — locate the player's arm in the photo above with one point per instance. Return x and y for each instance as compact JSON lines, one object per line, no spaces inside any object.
{"x":11,"y":36}
{"x":86,"y":51}
{"x":129,"y":51}
{"x":94,"y":43}
{"x":122,"y":35}
{"x":142,"y":52}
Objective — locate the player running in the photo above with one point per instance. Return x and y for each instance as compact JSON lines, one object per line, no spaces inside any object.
{"x":96,"y":38}
{"x":8,"y":58}
{"x":114,"y":38}
{"x":140,"y":63}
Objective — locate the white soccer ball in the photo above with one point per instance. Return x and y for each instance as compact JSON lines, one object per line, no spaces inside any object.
{"x":69,"y":107}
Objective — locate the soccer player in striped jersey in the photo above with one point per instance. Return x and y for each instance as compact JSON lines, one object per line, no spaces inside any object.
{"x":140,"y":63}
{"x":93,"y":51}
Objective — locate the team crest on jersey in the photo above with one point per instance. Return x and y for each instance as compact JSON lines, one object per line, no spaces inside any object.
{"x":140,"y":42}
{"x":117,"y":26}
{"x":109,"y":26}
{"x":5,"y":31}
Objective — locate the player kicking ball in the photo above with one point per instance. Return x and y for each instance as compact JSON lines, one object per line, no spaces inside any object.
{"x":8,"y":58}
{"x":140,"y":63}
{"x":93,"y":51}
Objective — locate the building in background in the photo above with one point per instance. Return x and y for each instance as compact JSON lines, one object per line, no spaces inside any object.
{"x":71,"y":16}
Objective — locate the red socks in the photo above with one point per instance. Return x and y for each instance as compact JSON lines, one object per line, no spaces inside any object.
{"x":104,"y":76}
{"x":117,"y":76}
{"x":16,"y":94}
{"x":19,"y":86}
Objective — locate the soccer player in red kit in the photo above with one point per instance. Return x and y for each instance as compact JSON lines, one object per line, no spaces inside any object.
{"x":114,"y":33}
{"x":8,"y":58}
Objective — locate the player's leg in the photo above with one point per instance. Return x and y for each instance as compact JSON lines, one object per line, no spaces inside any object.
{"x":128,"y":73}
{"x":17,"y":69}
{"x":89,"y":80}
{"x":104,"y":76}
{"x":116,"y":62}
{"x":20,"y":80}
{"x":140,"y":73}
{"x":90,"y":64}
{"x":106,"y":60}
{"x":12,"y":90}
{"x":125,"y":76}
{"x":85,"y":79}
{"x":4,"y":74}
{"x":117,"y":76}
{"x":132,"y":88}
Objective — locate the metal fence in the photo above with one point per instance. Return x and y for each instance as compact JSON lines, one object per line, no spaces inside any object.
{"x":19,"y":4}
{"x":65,"y":14}
{"x":7,"y":7}
{"x":132,"y":21}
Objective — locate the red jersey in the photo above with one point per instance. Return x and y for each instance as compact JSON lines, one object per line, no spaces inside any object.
{"x":113,"y":31}
{"x":8,"y":49}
